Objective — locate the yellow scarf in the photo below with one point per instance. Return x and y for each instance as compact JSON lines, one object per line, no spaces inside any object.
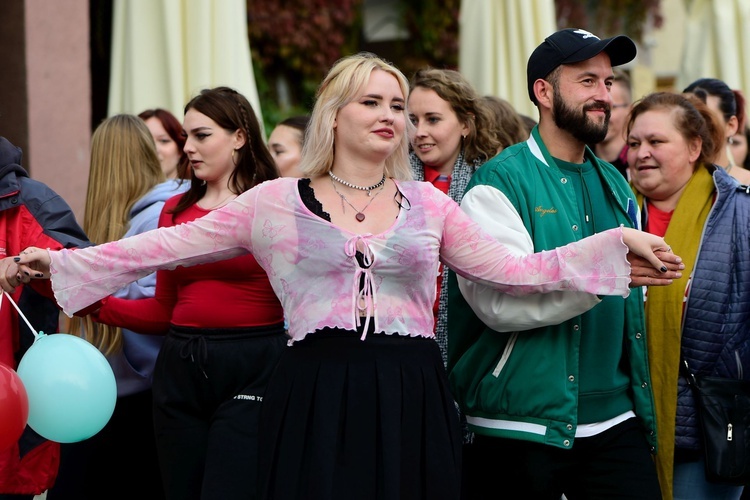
{"x":664,"y":316}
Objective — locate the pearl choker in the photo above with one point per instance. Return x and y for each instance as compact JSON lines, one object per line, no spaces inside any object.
{"x":354,"y":186}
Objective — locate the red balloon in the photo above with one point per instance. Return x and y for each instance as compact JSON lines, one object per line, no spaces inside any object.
{"x":14,"y":407}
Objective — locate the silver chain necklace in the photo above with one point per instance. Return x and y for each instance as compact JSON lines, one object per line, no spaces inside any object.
{"x":354,"y":186}
{"x":360,"y":214}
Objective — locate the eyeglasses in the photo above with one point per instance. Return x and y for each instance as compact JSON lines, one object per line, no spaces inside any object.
{"x":614,"y":106}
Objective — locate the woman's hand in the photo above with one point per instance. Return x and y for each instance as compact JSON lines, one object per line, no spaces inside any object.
{"x":642,"y":273}
{"x":646,"y":246}
{"x":33,"y":263}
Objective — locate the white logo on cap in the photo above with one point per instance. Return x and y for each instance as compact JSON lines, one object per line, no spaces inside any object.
{"x":585,"y":34}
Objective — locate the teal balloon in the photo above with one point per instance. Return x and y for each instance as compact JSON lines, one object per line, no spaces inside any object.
{"x":70,"y":385}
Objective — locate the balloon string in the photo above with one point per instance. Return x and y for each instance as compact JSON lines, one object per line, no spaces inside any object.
{"x":21,"y":314}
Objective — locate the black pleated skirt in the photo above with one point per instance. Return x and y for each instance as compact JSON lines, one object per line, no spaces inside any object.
{"x":349,"y":419}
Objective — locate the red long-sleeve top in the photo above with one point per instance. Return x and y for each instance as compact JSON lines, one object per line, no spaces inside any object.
{"x":227,"y":294}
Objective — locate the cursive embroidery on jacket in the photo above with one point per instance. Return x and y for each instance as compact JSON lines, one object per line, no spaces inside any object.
{"x":544,"y":211}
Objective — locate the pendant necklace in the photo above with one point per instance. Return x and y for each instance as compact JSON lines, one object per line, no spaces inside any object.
{"x":360,"y":214}
{"x":354,"y":186}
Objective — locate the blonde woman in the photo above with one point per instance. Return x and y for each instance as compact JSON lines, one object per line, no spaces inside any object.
{"x":126,"y":192}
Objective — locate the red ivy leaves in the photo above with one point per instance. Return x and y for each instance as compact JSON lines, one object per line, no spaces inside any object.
{"x":305,"y":36}
{"x":610,"y":17}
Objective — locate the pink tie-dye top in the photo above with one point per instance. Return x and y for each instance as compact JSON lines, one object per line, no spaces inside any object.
{"x":312,"y":266}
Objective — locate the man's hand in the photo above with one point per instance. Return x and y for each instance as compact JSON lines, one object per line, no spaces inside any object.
{"x":9,"y":275}
{"x":642,"y":272}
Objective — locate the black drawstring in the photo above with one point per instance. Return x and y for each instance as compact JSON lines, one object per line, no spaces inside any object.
{"x":188,"y":350}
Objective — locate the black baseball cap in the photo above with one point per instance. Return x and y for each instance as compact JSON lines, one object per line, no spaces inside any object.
{"x":571,"y":46}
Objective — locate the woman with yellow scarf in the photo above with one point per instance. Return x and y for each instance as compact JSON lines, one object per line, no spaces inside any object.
{"x":705,"y":316}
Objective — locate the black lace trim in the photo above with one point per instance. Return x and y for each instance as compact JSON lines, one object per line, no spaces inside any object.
{"x":311,"y":202}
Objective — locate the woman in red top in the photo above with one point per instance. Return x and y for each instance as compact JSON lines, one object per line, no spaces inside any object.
{"x":223,"y":322}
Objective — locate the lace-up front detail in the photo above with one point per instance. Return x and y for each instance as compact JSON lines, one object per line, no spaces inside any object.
{"x":364,"y":294}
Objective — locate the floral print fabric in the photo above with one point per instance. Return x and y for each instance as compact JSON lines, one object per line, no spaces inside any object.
{"x":312,"y":266}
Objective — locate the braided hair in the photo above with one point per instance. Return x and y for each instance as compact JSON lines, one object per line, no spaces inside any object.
{"x":232,"y":111}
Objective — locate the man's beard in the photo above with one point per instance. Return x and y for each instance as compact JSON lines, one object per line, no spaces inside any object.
{"x":577,"y":123}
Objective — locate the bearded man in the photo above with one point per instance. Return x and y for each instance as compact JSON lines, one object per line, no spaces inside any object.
{"x":556,"y":387}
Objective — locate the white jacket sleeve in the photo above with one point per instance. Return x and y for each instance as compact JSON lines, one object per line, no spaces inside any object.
{"x":499,"y":311}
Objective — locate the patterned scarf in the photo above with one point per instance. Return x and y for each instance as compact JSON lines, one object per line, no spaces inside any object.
{"x":462,"y":172}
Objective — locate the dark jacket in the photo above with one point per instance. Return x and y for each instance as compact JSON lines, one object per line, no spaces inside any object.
{"x":31,"y":214}
{"x":716,"y":329}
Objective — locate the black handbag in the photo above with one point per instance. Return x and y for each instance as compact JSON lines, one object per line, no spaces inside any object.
{"x":723,"y":406}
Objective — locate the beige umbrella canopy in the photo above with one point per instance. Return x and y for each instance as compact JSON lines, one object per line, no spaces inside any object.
{"x":717,"y":43}
{"x":165,"y":51}
{"x":496,"y":37}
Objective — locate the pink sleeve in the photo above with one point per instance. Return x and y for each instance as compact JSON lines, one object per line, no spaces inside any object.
{"x":81,"y":277}
{"x":596,"y":264}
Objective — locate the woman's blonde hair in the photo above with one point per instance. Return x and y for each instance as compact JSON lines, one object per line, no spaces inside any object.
{"x":124,"y":167}
{"x":341,"y":86}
